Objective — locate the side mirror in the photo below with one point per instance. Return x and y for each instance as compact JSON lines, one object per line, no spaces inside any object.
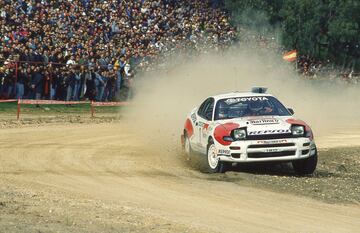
{"x":291,"y":111}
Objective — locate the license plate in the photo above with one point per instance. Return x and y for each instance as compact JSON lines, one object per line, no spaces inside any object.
{"x":272,"y":150}
{"x":272,"y":142}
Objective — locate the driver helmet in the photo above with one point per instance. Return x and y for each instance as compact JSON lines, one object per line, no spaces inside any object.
{"x":255,"y":106}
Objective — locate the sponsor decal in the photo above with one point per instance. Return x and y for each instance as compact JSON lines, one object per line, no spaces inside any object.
{"x":224,"y":152}
{"x":245,"y":99}
{"x":201,"y":124}
{"x":270,"y":131}
{"x":206,"y":126}
{"x":205,"y":130}
{"x":272,"y":141}
{"x":266,"y":121}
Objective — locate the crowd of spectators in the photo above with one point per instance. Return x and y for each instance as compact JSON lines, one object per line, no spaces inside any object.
{"x":91,"y":49}
{"x":311,"y":68}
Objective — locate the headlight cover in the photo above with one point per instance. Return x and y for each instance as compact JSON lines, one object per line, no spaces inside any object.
{"x":239,"y":134}
{"x":298,"y":130}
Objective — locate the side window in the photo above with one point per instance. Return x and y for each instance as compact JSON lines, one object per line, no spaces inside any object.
{"x":202,"y":107}
{"x":209,"y":110}
{"x":206,"y":109}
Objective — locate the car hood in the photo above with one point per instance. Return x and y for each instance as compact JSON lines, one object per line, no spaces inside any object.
{"x":261,"y":124}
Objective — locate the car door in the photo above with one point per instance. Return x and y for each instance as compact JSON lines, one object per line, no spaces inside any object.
{"x":197,"y":118}
{"x":204,"y":119}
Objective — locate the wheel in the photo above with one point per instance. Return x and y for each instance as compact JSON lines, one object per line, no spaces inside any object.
{"x":212,"y":163}
{"x":187,"y":147}
{"x":305,"y":166}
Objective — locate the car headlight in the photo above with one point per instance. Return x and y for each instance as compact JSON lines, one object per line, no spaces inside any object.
{"x":298,"y":130}
{"x":239,"y":134}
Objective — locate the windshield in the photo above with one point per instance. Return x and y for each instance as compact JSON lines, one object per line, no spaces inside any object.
{"x":249,"y":106}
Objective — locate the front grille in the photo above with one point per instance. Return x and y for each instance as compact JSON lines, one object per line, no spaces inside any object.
{"x":271,"y":145}
{"x":235,"y":155}
{"x":270,"y":154}
{"x":270,"y":136}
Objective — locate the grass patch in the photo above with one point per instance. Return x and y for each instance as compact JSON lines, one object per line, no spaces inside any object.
{"x":55,"y":109}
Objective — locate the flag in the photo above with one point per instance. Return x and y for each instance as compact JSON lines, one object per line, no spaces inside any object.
{"x":290,"y":56}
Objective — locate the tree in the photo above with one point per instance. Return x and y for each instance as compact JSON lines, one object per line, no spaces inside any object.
{"x":323,"y":29}
{"x":344,"y":33}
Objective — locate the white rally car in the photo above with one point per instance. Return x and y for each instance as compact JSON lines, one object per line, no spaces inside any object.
{"x":242,"y":127}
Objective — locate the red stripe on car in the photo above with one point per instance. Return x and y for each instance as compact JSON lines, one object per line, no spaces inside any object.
{"x":189,"y":128}
{"x":224,"y":130}
{"x":300,"y":122}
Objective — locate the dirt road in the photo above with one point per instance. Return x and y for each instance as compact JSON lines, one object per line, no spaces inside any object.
{"x":100,"y":178}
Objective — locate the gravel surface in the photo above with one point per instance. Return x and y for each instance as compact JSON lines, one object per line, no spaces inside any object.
{"x":11,"y":122}
{"x":55,"y":182}
{"x":336,"y":179}
{"x":33,"y":211}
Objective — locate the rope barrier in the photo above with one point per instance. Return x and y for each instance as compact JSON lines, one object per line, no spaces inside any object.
{"x":92,"y":104}
{"x":100,"y":104}
{"x":8,"y":101}
{"x":50,"y":102}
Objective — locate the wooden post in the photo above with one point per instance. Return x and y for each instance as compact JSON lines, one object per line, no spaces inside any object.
{"x":18,"y":109}
{"x":92,"y":108}
{"x":16,"y":75}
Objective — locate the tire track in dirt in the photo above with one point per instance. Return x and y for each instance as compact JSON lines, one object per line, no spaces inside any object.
{"x":108,"y":162}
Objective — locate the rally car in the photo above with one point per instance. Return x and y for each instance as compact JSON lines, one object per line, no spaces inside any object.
{"x":243,"y":127}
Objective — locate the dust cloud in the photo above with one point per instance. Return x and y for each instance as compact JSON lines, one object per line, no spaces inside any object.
{"x":163,"y":99}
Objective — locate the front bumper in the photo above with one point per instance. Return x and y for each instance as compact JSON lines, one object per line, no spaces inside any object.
{"x":267,"y":150}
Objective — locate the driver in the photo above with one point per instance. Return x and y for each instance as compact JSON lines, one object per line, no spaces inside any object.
{"x":257,"y":108}
{"x":223,"y":111}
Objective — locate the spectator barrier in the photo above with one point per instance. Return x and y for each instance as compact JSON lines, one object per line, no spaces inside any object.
{"x":8,"y":101}
{"x":92,"y":104}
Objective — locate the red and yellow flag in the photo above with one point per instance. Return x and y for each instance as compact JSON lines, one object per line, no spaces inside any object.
{"x":290,"y":56}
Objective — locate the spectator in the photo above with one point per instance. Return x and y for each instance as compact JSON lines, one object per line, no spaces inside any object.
{"x":99,"y":36}
{"x":36,"y":83}
{"x":21,"y":82}
{"x":100,"y":82}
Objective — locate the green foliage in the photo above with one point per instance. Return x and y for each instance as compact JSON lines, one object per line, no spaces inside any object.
{"x":256,"y":14}
{"x":323,"y":29}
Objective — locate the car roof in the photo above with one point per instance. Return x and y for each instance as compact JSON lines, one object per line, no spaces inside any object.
{"x":238,"y":94}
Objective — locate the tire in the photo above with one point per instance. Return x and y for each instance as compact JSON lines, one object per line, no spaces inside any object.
{"x":305,"y":166}
{"x":212,"y":163}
